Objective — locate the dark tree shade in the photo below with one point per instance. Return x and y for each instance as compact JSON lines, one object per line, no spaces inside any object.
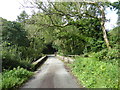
{"x":13,"y":33}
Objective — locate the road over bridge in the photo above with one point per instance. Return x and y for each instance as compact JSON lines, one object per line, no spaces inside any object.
{"x":52,"y":74}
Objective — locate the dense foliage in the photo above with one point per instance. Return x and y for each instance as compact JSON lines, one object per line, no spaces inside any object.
{"x":14,"y":33}
{"x":14,"y":78}
{"x":11,"y":58}
{"x":68,"y":28}
{"x":100,"y":69}
{"x":114,"y":37}
{"x":19,"y":47}
{"x":78,"y":37}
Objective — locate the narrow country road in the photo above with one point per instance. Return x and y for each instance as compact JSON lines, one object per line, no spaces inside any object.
{"x":52,"y":75}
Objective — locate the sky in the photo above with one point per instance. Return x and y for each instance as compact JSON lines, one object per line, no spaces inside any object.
{"x":10,"y":9}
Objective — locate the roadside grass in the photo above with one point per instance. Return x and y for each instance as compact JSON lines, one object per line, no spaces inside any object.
{"x":93,"y":73}
{"x":14,"y":78}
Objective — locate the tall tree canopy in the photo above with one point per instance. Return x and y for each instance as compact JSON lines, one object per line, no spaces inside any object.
{"x":22,"y":17}
{"x":61,"y":14}
{"x":14,"y":33}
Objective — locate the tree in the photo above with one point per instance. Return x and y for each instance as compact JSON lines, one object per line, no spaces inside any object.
{"x":71,"y":11}
{"x":101,"y":8}
{"x":14,"y":33}
{"x":22,"y":17}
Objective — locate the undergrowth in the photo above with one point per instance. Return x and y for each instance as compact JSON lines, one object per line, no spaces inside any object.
{"x":93,"y":73}
{"x":14,"y":78}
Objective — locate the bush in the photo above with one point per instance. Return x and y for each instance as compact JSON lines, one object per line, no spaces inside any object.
{"x":106,"y":55}
{"x":14,"y":78}
{"x":113,"y":36}
{"x":11,"y":58}
{"x":95,"y":74}
{"x":112,"y":54}
{"x":101,"y":55}
{"x":9,"y":63}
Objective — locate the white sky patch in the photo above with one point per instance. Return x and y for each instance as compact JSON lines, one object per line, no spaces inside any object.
{"x":10,"y":9}
{"x":113,"y":0}
{"x":112,"y":17}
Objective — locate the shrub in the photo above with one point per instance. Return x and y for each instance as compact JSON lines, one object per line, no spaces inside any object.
{"x":112,"y":54}
{"x":13,"y":78}
{"x":8,"y":63}
{"x":113,"y":36}
{"x":27,"y":65}
{"x":107,"y":55}
{"x":102,"y":54}
{"x":12,"y":58}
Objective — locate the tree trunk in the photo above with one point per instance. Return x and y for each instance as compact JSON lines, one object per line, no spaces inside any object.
{"x":101,"y":8}
{"x":103,"y":27}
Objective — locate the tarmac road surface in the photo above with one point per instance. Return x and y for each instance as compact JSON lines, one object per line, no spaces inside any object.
{"x":52,"y":74}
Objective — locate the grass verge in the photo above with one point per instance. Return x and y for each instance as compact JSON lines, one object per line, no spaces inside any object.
{"x":93,"y":73}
